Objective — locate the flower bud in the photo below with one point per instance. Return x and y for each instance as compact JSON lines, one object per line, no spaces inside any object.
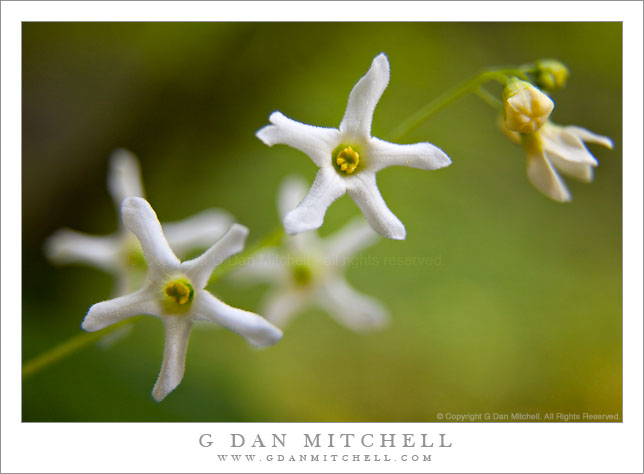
{"x":551,"y":75}
{"x":526,"y":107}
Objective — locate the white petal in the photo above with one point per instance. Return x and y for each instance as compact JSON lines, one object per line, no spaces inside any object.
{"x":581,"y":171}
{"x":350,"y":240}
{"x":198,"y":231}
{"x":69,"y":246}
{"x":265,"y":266}
{"x":124,"y":281}
{"x":280,"y":306}
{"x":355,"y":310}
{"x":544,"y":177}
{"x":419,"y":155}
{"x":316,"y":142}
{"x":303,"y":243}
{"x":113,"y":338}
{"x":254,"y":328}
{"x":141,"y":219}
{"x":292,"y":191}
{"x":199,"y":269}
{"x":106,"y":313}
{"x":327,"y":187}
{"x":588,"y":136}
{"x":363,"y":99}
{"x":124,"y":177}
{"x":177,"y":333}
{"x":364,"y":191}
{"x":561,"y":141}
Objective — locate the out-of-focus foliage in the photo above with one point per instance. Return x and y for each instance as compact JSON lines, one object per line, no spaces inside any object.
{"x":502,"y":300}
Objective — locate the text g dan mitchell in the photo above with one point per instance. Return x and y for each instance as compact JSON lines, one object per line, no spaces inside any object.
{"x":330,"y":440}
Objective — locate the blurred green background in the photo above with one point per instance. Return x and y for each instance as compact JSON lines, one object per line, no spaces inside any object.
{"x":520,"y":310}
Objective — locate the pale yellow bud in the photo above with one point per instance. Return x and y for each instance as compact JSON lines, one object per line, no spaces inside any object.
{"x":526,"y":107}
{"x":551,"y":74}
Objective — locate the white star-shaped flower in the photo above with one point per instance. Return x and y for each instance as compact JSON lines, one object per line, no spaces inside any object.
{"x":174,"y":292}
{"x":120,"y":253}
{"x":349,"y":158}
{"x":555,"y":148}
{"x":310,"y":272}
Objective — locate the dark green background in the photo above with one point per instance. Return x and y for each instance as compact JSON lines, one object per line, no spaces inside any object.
{"x":520,"y":312}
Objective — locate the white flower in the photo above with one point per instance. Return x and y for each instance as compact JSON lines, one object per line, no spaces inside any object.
{"x":555,"y":148}
{"x":310,"y":272}
{"x":174,"y":292}
{"x":349,"y":158}
{"x":120,"y":253}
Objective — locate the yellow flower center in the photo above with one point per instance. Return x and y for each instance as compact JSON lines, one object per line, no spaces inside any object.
{"x":302,"y":274}
{"x":135,"y":258}
{"x":347,"y":159}
{"x":179,"y":294}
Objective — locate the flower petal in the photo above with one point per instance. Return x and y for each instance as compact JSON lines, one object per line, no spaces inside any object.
{"x":581,"y":171}
{"x":419,"y":155}
{"x":198,"y":231}
{"x":363,"y":99}
{"x":177,"y":333}
{"x":124,"y":177}
{"x":106,"y":313}
{"x":141,"y":219}
{"x":316,"y":142}
{"x":113,"y":338}
{"x":355,"y":310}
{"x":327,"y":187}
{"x":254,"y":328}
{"x":567,"y":146}
{"x":588,"y":136}
{"x":364,"y":191}
{"x":124,"y":281}
{"x":69,"y":246}
{"x":292,"y":190}
{"x":302,"y":243}
{"x":350,"y":240}
{"x":544,"y":177}
{"x":199,"y":269}
{"x":265,"y":266}
{"x":280,"y":306}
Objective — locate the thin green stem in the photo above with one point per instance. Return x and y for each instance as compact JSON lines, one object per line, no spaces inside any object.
{"x":452,"y":95}
{"x":84,"y":340}
{"x":489,"y":99}
{"x":67,"y":348}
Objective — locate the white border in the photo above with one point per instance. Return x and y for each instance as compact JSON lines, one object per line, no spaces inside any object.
{"x":173,"y":447}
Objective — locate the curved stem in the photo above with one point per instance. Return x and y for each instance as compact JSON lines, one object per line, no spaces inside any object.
{"x":489,"y":99}
{"x":84,"y":340}
{"x":67,"y":348}
{"x":447,"y":98}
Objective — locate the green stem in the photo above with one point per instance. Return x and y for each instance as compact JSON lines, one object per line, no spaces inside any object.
{"x":489,"y":98}
{"x":67,"y":348}
{"x":447,"y":98}
{"x":84,"y":340}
